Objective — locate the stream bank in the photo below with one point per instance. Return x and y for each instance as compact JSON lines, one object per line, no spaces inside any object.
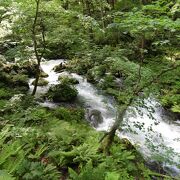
{"x":147,"y":127}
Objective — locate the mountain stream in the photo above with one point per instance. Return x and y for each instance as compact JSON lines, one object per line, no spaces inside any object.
{"x":155,"y":135}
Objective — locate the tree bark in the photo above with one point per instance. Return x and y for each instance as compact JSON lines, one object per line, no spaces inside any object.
{"x":35,"y":44}
{"x":108,"y":139}
{"x":112,"y":3}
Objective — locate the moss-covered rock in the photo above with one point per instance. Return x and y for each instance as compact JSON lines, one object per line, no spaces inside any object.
{"x":94,"y":117}
{"x":29,"y":68}
{"x":67,"y":79}
{"x":62,"y":93}
{"x":43,"y":74}
{"x":41,"y":82}
{"x":60,"y":68}
{"x":15,"y":81}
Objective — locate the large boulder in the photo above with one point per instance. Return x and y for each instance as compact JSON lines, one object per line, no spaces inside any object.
{"x":62,"y":93}
{"x":94,"y":116}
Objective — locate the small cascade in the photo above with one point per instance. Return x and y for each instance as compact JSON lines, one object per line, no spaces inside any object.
{"x":146,"y":126}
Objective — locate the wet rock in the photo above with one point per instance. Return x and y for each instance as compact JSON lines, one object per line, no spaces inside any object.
{"x":94,"y":117}
{"x":60,"y":68}
{"x":156,"y":166}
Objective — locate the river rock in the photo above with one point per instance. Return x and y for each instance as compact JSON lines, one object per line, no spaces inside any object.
{"x":94,"y":117}
{"x":60,"y":68}
{"x":41,"y":82}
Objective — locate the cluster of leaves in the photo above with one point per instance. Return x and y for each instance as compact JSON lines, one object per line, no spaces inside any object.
{"x":130,"y":41}
{"x":135,"y":35}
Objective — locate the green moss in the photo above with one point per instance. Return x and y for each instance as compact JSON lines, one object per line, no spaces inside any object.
{"x":69,"y":80}
{"x":72,"y":114}
{"x":41,"y":82}
{"x":5,"y":93}
{"x":62,"y":93}
{"x":2,"y":103}
{"x":176,"y":108}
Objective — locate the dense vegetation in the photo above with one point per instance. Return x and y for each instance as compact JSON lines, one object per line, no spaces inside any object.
{"x":127,"y":48}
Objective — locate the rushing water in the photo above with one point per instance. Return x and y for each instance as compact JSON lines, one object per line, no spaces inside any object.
{"x":148,"y":127}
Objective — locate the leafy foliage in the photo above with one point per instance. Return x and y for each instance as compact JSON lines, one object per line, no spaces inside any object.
{"x":122,"y":46}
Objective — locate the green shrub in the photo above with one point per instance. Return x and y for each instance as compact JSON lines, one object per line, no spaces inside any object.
{"x":3,"y":103}
{"x":35,"y":116}
{"x":5,"y":93}
{"x":72,"y":114}
{"x":38,"y":170}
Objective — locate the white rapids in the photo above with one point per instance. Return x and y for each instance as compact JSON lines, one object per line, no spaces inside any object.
{"x":155,"y":137}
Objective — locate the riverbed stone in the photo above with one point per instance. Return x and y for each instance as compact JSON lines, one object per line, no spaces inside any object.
{"x":94,"y":116}
{"x":60,"y":68}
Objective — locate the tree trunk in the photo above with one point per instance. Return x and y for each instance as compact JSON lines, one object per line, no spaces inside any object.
{"x":88,"y":12}
{"x":108,"y":139}
{"x":65,"y":5}
{"x":38,"y":57}
{"x":112,"y":3}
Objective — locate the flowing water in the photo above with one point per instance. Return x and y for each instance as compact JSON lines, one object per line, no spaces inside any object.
{"x":148,"y":127}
